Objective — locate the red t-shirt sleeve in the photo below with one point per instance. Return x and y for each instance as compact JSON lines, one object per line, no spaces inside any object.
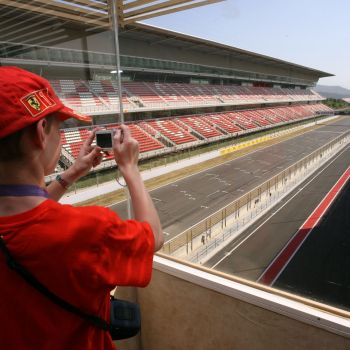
{"x":131,"y":246}
{"x":118,"y":253}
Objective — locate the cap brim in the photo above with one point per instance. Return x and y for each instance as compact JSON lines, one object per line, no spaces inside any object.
{"x":67,"y":113}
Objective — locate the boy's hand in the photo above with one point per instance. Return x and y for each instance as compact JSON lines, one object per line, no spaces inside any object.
{"x":126,"y":149}
{"x":89,"y":156}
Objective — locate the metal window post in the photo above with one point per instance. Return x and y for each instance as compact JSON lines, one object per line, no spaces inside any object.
{"x":120,"y":93}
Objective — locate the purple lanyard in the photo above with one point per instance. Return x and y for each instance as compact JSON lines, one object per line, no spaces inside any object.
{"x":22,"y":191}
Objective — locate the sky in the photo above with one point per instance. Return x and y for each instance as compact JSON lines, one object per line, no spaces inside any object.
{"x":312,"y":33}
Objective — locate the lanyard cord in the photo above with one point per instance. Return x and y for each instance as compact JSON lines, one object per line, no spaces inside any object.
{"x":23,"y":191}
{"x":30,"y":279}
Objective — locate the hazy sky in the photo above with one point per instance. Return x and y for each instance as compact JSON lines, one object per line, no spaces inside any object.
{"x":313,"y":33}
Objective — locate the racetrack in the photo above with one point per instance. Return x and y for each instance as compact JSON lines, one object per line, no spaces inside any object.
{"x":320,"y":267}
{"x":190,"y":200}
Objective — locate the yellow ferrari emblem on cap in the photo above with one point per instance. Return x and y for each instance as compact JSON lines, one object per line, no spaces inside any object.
{"x":38,"y":102}
{"x":34,"y":103}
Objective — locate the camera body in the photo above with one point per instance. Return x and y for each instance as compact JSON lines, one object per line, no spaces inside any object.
{"x":104,"y":139}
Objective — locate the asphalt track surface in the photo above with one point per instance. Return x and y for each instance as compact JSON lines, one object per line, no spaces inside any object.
{"x":185,"y":202}
{"x":320,"y":269}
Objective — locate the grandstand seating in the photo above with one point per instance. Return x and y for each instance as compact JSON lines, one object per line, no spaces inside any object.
{"x":98,"y":96}
{"x":194,"y":93}
{"x":257,"y":118}
{"x":168,"y":94}
{"x":72,"y":140}
{"x":225,"y":94}
{"x":172,"y":131}
{"x":146,"y":141}
{"x":273,"y":115}
{"x":144,"y":93}
{"x":241,"y":120}
{"x":200,"y":125}
{"x":220,"y":121}
{"x":159,"y":134}
{"x":261,"y":118}
{"x":207,"y":93}
{"x":76,"y":94}
{"x":107,"y":90}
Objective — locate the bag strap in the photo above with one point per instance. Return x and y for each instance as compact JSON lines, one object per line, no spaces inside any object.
{"x":30,"y":279}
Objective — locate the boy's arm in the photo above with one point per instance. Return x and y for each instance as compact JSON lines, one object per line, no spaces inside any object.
{"x":126,"y":152}
{"x":89,"y":156}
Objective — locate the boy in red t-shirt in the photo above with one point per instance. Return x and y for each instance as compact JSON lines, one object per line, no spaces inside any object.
{"x":79,"y":253}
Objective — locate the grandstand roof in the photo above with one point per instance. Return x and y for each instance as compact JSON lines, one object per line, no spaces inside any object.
{"x":96,"y":12}
{"x":49,"y":24}
{"x":155,"y":35}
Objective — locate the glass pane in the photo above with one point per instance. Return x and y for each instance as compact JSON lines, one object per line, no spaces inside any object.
{"x":247,"y":213}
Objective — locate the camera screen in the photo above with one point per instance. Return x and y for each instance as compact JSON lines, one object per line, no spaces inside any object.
{"x":104,"y":140}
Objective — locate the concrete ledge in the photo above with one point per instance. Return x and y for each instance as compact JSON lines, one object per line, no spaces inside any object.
{"x":190,"y":308}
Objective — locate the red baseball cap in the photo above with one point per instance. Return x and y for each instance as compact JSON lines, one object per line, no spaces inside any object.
{"x":26,"y":98}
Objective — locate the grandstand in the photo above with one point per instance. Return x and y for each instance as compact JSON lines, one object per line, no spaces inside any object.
{"x":164,"y":135}
{"x":181,"y":92}
{"x":98,"y":97}
{"x":195,"y":98}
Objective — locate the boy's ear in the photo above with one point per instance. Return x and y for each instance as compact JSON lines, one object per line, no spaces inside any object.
{"x":40,"y":134}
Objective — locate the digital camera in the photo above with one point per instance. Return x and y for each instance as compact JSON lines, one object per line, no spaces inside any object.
{"x":104,"y":139}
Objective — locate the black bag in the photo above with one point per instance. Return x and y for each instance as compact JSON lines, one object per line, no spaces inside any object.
{"x":125,"y":321}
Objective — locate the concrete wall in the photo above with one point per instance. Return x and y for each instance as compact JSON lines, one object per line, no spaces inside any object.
{"x":177,"y":314}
